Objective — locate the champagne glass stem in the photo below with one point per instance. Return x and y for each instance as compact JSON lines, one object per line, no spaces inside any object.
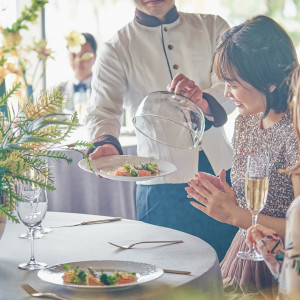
{"x":254,"y":222}
{"x":32,"y":259}
{"x":254,"y":219}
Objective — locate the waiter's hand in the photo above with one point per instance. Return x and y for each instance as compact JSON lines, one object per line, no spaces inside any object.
{"x":103,"y":150}
{"x":182,"y":85}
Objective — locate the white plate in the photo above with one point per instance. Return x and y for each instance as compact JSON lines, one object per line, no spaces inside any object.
{"x":105,"y":165}
{"x":144,"y":273}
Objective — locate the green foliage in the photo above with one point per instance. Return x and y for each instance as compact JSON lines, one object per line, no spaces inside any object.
{"x":27,"y":141}
{"x":28,"y":14}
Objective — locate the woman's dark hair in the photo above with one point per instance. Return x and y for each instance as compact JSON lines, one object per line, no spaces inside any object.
{"x":260,"y":52}
{"x":91,"y":40}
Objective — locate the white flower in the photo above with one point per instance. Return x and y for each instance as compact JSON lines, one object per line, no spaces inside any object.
{"x":74,"y":41}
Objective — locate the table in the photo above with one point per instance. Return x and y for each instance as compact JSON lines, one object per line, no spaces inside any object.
{"x":81,"y":192}
{"x":89,"y":242}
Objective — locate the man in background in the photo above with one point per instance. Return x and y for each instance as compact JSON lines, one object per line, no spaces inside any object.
{"x":81,"y":59}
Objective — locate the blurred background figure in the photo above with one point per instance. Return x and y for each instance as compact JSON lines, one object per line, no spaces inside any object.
{"x":82,"y":49}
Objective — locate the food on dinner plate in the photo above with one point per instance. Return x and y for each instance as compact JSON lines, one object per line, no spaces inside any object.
{"x":140,"y":170}
{"x":93,"y":277}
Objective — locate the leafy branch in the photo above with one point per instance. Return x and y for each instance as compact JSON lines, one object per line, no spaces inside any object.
{"x":28,"y":14}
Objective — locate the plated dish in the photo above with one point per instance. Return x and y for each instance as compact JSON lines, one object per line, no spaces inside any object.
{"x":106,"y":166}
{"x":144,"y":273}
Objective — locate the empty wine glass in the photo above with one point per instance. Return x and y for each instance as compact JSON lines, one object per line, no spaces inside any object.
{"x":31,"y":212}
{"x":40,"y":231}
{"x":37,"y":234}
{"x":256,"y":191}
{"x":43,"y":230}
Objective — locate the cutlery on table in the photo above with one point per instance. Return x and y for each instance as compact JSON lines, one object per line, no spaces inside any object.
{"x":125,"y":247}
{"x":177,"y":272}
{"x":32,"y":292}
{"x":88,"y":222}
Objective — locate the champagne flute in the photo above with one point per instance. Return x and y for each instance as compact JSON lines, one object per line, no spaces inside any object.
{"x":31,"y":212}
{"x":256,"y":191}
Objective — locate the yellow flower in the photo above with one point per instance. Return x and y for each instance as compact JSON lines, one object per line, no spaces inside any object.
{"x":13,"y":162}
{"x":11,"y":39}
{"x":74,"y":41}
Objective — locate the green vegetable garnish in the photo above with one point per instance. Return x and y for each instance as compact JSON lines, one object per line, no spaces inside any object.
{"x":66,"y":267}
{"x":131,"y":169}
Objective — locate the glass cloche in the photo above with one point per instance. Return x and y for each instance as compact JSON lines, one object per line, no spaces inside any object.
{"x":170,"y":119}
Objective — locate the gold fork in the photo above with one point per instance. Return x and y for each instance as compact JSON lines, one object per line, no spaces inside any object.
{"x":125,"y":247}
{"x":32,"y":292}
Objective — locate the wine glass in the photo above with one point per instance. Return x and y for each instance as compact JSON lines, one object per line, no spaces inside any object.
{"x":31,"y":212}
{"x":80,"y":103}
{"x":43,"y":230}
{"x":40,"y":231}
{"x":256,"y":191}
{"x":37,"y":234}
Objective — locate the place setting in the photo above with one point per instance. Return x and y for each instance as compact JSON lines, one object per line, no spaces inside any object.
{"x":102,"y":275}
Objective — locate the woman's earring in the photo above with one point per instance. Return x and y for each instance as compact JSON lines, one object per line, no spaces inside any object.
{"x":272,"y":87}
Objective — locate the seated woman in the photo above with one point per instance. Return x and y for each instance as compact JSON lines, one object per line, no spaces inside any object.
{"x":254,"y":59}
{"x":284,"y":263}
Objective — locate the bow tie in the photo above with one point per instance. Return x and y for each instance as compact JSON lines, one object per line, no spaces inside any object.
{"x":80,"y":87}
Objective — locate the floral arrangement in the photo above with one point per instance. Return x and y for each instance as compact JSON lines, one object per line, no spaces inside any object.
{"x":24,"y":61}
{"x":27,"y":139}
{"x":29,"y":132}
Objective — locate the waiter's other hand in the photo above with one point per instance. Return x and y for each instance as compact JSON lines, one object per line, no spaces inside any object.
{"x":182,"y":85}
{"x":103,"y":150}
{"x":107,"y":149}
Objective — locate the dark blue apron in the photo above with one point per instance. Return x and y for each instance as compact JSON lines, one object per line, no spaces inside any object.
{"x":167,"y":205}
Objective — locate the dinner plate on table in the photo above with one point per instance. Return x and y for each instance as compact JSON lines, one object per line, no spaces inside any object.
{"x":144,"y":272}
{"x":105,"y":166}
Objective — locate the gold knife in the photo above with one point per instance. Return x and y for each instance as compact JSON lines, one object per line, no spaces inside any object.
{"x":177,"y":272}
{"x":88,"y":222}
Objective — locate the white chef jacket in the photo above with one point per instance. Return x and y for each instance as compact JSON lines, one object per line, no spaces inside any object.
{"x":134,"y":63}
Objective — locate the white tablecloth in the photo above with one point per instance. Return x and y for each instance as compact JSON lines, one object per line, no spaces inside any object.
{"x":90,"y":242}
{"x":79,"y":191}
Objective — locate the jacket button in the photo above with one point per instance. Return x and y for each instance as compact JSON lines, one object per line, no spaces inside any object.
{"x":165,"y":28}
{"x":175,"y":67}
{"x":170,"y":47}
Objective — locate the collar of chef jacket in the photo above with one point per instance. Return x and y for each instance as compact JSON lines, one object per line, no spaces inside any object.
{"x":152,"y":21}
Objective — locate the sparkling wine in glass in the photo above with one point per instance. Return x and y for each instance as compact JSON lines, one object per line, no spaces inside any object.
{"x":256,"y":191}
{"x":31,"y":212}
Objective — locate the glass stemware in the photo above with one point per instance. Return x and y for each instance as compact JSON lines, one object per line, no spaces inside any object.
{"x":256,"y":191}
{"x":43,"y":230}
{"x":37,"y":234}
{"x":31,"y":212}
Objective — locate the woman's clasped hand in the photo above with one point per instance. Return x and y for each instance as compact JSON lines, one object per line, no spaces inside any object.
{"x":214,"y":196}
